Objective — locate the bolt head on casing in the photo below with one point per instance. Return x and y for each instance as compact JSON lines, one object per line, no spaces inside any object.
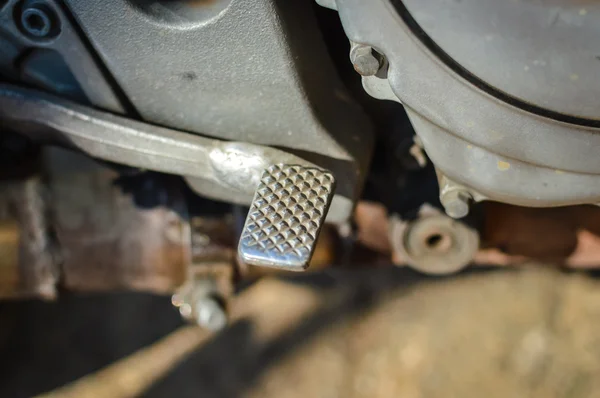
{"x":456,"y":203}
{"x":364,"y":60}
{"x":210,"y":314}
{"x":199,"y":301}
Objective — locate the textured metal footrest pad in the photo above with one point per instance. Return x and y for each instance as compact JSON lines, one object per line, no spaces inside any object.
{"x":286,"y":216}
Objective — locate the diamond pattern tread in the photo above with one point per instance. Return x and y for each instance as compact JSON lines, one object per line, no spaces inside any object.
{"x":286,"y":216}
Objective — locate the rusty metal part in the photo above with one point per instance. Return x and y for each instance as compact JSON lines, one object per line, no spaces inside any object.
{"x":565,"y":235}
{"x":510,"y":235}
{"x":213,"y":239}
{"x":106,"y":237}
{"x":365,"y":61}
{"x":9,"y":257}
{"x":213,"y":253}
{"x":27,"y":263}
{"x":108,"y":240}
{"x":373,"y":226}
{"x":210,"y":279}
{"x":433,"y":243}
{"x":200,"y":301}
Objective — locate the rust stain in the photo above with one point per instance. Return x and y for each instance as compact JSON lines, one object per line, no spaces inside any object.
{"x":9,"y":257}
{"x":112,"y":241}
{"x":503,"y":166}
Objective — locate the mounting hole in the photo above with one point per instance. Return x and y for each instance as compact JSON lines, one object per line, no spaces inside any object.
{"x":37,"y":20}
{"x":438,"y":242}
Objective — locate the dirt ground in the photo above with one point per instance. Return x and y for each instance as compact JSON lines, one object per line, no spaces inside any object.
{"x":532,"y":332}
{"x":525,"y":334}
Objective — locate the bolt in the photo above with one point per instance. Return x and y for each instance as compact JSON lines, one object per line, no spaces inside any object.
{"x":456,"y":203}
{"x":210,"y":314}
{"x":365,"y":62}
{"x":38,"y":20}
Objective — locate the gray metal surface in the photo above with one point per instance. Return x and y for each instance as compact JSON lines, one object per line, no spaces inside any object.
{"x":246,"y":70}
{"x":491,"y":147}
{"x":327,"y":3}
{"x":487,"y":175}
{"x":286,"y":217}
{"x":17,"y":50}
{"x":544,"y":53}
{"x":233,"y":168}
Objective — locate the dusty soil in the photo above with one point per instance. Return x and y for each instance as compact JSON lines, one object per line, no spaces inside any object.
{"x":506,"y":334}
{"x":385,"y":333}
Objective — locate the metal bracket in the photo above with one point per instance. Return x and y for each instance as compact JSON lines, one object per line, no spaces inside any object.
{"x":228,"y":171}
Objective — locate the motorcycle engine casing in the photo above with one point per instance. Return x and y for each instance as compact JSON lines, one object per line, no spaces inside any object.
{"x":505,"y":96}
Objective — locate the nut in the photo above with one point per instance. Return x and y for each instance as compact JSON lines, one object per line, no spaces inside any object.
{"x":210,"y":314}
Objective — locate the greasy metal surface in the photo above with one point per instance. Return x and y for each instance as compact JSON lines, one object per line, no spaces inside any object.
{"x":227,"y":171}
{"x":28,"y":267}
{"x":544,"y":53}
{"x":108,"y":242}
{"x":15,"y":47}
{"x":495,"y":149}
{"x":255,"y":71}
{"x":286,"y":217}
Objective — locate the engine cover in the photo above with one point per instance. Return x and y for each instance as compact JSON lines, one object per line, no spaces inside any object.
{"x":505,"y":96}
{"x":244,"y":70}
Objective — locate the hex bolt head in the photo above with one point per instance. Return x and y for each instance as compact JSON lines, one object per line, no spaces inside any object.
{"x":456,"y":203}
{"x":365,"y":62}
{"x":210,"y":314}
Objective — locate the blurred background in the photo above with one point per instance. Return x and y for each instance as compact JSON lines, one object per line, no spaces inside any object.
{"x":126,"y":313}
{"x":383,"y":333}
{"x":118,"y":284}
